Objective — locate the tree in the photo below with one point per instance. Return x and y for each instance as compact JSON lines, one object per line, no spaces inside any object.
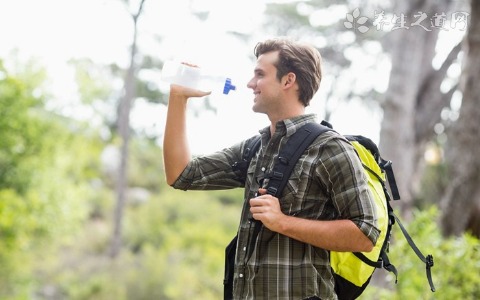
{"x":461,"y":201}
{"x":413,"y":101}
{"x":124,"y":131}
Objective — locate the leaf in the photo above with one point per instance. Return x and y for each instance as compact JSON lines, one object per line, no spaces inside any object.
{"x":363,"y":29}
{"x":362,"y":20}
{"x":348,"y":25}
{"x":350,"y":18}
{"x":356,"y":12}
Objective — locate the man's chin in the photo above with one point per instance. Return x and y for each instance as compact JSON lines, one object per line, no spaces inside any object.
{"x":256,"y":109}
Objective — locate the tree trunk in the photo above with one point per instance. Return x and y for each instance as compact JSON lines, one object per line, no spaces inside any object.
{"x":412,"y":51}
{"x":124,"y":132}
{"x":461,"y":202}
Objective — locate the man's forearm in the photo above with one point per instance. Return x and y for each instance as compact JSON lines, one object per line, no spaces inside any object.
{"x":336,"y":235}
{"x":176,"y":152}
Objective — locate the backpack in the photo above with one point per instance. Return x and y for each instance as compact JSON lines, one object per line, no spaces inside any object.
{"x":352,"y":270}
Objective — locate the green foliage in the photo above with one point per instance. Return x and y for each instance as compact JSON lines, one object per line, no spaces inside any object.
{"x":189,"y":230}
{"x":42,"y":190}
{"x":15,"y":236}
{"x":174,"y":249}
{"x":455,"y":270}
{"x":146,"y":165}
{"x":19,"y":143}
{"x":94,"y":82}
{"x":147,"y":84}
{"x":434,"y":180}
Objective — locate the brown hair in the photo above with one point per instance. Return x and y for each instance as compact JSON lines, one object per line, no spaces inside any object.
{"x":300,"y":58}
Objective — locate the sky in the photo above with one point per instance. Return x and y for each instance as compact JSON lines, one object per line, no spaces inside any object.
{"x":54,"y":31}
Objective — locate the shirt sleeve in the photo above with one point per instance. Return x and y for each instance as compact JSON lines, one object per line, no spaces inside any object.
{"x":342,"y":173}
{"x":212,"y":172}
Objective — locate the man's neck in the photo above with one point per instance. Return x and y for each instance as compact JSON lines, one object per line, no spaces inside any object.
{"x":288,"y":115}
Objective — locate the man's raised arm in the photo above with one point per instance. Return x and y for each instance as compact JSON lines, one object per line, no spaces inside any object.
{"x":176,"y":151}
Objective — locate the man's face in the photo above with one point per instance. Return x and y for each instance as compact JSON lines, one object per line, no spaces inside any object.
{"x":265,"y":85}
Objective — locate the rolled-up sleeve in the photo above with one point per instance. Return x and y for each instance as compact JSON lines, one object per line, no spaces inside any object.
{"x":343,"y":173}
{"x":211,"y":172}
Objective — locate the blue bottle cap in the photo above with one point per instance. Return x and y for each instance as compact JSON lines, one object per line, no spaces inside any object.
{"x":228,"y":86}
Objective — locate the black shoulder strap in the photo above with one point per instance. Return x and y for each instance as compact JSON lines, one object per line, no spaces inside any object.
{"x":285,"y":163}
{"x":427,"y":260}
{"x":289,"y":155}
{"x":386,"y":165}
{"x":249,"y":150}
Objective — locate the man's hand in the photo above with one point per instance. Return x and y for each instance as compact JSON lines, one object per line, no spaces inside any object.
{"x":185,"y":92}
{"x":266,"y":208}
{"x":181,"y":91}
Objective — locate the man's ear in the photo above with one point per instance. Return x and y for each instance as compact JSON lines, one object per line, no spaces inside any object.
{"x":290,"y":79}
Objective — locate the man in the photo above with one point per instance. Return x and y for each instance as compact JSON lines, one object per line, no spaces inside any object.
{"x":326,"y":204}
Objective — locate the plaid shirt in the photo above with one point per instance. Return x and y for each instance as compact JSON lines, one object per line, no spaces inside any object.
{"x":328,"y":183}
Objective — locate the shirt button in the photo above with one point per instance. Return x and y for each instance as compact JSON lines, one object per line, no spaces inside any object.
{"x":244,"y":249}
{"x":263,"y":169}
{"x":241,"y":275}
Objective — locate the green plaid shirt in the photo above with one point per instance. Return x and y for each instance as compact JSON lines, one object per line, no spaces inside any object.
{"x":328,"y":183}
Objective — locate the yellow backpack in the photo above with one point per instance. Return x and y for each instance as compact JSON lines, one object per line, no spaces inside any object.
{"x":354,"y":270}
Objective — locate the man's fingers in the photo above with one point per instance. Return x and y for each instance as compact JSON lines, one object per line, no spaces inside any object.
{"x":262,"y":191}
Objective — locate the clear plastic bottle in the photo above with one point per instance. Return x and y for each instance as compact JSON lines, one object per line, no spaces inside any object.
{"x":175,"y":72}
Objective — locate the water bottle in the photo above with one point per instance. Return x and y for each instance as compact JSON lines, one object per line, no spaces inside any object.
{"x":174,"y":72}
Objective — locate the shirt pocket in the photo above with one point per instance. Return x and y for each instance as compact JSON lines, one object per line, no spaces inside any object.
{"x":303,"y":196}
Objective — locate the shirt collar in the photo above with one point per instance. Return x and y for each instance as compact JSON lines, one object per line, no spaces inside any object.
{"x":293,"y":124}
{"x":289,"y":126}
